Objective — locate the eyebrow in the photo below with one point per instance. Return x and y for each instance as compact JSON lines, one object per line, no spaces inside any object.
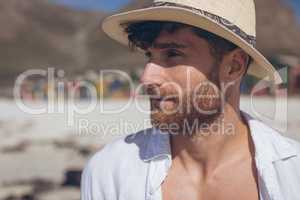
{"x":168,"y":45}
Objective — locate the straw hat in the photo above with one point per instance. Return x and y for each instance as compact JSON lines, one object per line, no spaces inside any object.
{"x":233,"y":20}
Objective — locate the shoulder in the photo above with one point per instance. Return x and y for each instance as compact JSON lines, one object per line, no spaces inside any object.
{"x":127,"y":149}
{"x":271,"y":143}
{"x":109,"y":166}
{"x":295,"y":144}
{"x":288,"y":149}
{"x":124,"y":148}
{"x":281,"y":141}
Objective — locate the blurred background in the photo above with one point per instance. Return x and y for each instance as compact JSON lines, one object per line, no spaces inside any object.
{"x":42,"y":155}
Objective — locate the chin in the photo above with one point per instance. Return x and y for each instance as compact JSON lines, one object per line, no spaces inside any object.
{"x":166,"y":122}
{"x":181,"y":123}
{"x":177,"y":117}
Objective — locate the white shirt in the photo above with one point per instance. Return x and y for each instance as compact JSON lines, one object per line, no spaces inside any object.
{"x":134,"y":167}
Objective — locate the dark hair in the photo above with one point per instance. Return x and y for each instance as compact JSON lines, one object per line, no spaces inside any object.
{"x":143,"y":34}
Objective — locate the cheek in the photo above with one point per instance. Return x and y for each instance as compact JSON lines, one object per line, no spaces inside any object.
{"x":206,"y":96}
{"x":186,"y":76}
{"x":204,"y":93}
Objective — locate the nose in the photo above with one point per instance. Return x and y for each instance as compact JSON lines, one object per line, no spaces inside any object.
{"x":152,"y":74}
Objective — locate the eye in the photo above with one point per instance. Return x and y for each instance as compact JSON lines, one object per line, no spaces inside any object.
{"x":148,"y":54}
{"x":173,"y":53}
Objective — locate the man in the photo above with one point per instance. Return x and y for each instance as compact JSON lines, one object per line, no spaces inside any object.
{"x":201,"y":145}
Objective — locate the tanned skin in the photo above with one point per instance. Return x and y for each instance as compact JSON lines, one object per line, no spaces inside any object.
{"x":207,"y":164}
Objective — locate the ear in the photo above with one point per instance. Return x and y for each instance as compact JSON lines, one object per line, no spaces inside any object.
{"x":234,"y":65}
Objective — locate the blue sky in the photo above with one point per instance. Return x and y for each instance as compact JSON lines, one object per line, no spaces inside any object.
{"x":106,"y":5}
{"x":296,"y":5}
{"x":113,"y":5}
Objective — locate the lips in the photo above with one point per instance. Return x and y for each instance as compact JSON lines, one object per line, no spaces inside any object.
{"x":157,"y":94}
{"x":159,"y":102}
{"x":161,"y":98}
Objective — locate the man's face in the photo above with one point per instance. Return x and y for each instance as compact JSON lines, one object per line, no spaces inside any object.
{"x":181,"y":78}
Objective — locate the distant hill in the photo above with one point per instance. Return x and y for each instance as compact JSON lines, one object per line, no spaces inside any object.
{"x":277,"y":28}
{"x":36,"y":34}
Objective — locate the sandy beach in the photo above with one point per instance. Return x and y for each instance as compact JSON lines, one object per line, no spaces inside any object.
{"x":42,"y":155}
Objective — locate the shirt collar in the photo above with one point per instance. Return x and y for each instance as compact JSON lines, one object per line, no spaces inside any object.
{"x":157,"y":145}
{"x":270,"y":146}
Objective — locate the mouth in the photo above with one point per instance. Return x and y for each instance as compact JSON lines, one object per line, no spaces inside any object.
{"x":163,"y":102}
{"x":163,"y":98}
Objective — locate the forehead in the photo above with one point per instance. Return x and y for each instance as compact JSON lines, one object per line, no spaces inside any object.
{"x":181,"y":38}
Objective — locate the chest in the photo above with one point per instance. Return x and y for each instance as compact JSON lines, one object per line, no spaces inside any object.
{"x":233,"y":184}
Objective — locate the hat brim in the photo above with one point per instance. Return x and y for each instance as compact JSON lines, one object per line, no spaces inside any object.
{"x":112,"y":26}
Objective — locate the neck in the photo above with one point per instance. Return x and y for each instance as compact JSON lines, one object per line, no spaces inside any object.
{"x":223,"y":141}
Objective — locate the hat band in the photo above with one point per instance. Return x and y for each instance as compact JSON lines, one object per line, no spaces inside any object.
{"x":220,"y":20}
